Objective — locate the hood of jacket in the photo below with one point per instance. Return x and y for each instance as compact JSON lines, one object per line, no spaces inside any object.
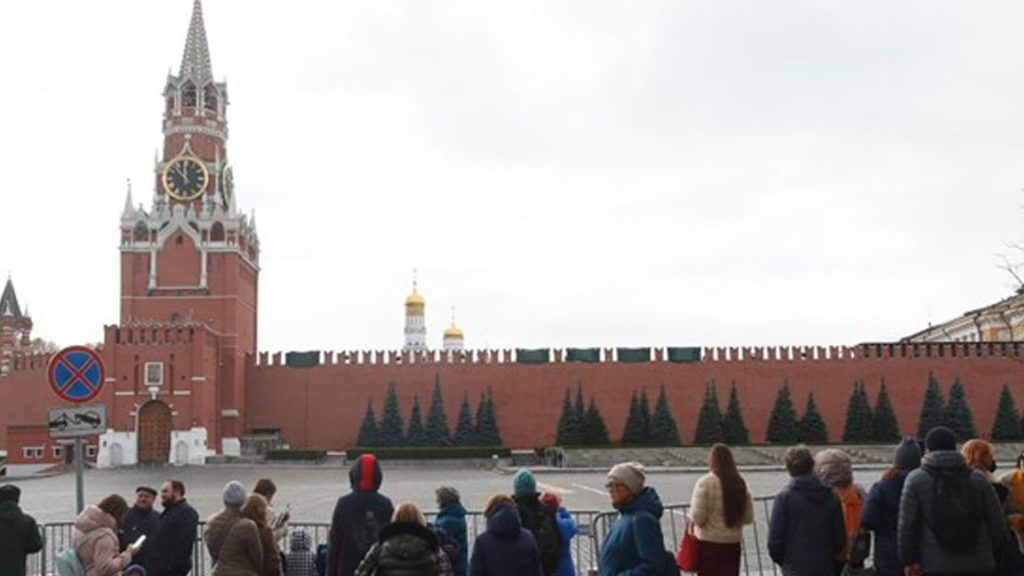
{"x":10,"y":511}
{"x":300,"y":541}
{"x":408,"y":531}
{"x":811,"y":488}
{"x":646,"y":501}
{"x":92,"y":518}
{"x":505,"y":522}
{"x":365,"y":474}
{"x":944,"y":462}
{"x":452,"y":510}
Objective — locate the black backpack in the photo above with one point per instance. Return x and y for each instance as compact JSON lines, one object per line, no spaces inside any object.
{"x":956,"y":514}
{"x":540,"y":520}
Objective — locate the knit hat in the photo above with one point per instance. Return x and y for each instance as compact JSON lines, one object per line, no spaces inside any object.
{"x":551,"y":500}
{"x":907,"y":455}
{"x":940,"y":438}
{"x":365,"y":474}
{"x":300,"y":541}
{"x":446,"y":495}
{"x":10,"y":493}
{"x":234,"y":494}
{"x":134,"y":570}
{"x":834,"y":467}
{"x":629,"y":473}
{"x":524,"y":483}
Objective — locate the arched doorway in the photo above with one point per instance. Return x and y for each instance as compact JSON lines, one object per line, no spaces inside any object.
{"x":154,"y":433}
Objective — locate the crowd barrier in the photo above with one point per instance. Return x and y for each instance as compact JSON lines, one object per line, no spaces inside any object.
{"x":593,"y":528}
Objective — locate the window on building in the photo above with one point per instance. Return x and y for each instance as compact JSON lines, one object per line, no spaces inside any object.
{"x":33,"y":452}
{"x":90,"y":451}
{"x":58,"y":451}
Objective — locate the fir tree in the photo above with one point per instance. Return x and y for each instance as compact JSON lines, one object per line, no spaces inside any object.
{"x":1007,"y":424}
{"x":885,"y":428}
{"x":579,"y":408}
{"x":568,"y":433}
{"x":663,"y":431}
{"x":958,"y":413}
{"x":932,"y":412}
{"x":645,"y":416}
{"x":595,"y":433}
{"x":812,"y":426}
{"x":783,"y":427}
{"x":391,"y":431}
{"x":417,"y":435}
{"x":634,"y":431}
{"x":465,"y":432}
{"x":368,"y":429}
{"x":487,"y":431}
{"x":735,"y":430}
{"x":437,"y":422}
{"x":858,"y":416}
{"x":710,"y":428}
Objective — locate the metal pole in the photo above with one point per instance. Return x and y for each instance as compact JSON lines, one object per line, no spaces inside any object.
{"x":79,"y":476}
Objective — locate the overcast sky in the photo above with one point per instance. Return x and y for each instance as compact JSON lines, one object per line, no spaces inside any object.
{"x":564,"y":173}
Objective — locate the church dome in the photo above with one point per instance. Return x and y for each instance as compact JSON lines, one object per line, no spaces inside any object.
{"x":453,"y":331}
{"x":415,"y":299}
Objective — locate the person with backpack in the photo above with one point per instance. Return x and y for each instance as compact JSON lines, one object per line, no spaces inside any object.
{"x":300,"y":559}
{"x":504,"y":548}
{"x":406,"y":548}
{"x":94,"y":538}
{"x":567,"y":529}
{"x":835,"y":469}
{"x":537,"y":519}
{"x":451,"y":518}
{"x":19,"y":533}
{"x":358,"y":517}
{"x":635,"y":545}
{"x":220,"y":524}
{"x":882,"y":507}
{"x":950,"y":520}
{"x":719,"y":508}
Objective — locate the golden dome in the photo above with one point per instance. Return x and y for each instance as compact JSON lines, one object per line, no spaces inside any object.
{"x":453,"y":331}
{"x":415,"y":299}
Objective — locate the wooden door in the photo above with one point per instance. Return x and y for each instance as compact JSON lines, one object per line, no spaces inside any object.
{"x":154,"y":433}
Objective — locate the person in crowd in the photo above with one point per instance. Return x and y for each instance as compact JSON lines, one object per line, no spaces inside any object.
{"x":567,"y":530}
{"x":834,"y":467}
{"x":635,"y":544}
{"x":219,"y":525}
{"x":255,"y":509}
{"x":300,"y":559}
{"x":140,"y":521}
{"x":94,"y":538}
{"x":169,"y":549}
{"x":719,"y":508}
{"x":978,"y":455}
{"x":882,"y":507}
{"x":1014,"y":505}
{"x":505,"y":548}
{"x":19,"y":534}
{"x":278,"y":522}
{"x":451,"y":518}
{"x":950,"y":521}
{"x":406,"y":548}
{"x":806,"y":529}
{"x":358,"y":518}
{"x":537,"y":519}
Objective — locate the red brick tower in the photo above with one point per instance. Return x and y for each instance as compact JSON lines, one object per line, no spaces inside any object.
{"x":189,"y":278}
{"x":15,"y":328}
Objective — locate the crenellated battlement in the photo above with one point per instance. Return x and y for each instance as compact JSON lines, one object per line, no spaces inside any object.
{"x":155,"y":334}
{"x":28,"y":363}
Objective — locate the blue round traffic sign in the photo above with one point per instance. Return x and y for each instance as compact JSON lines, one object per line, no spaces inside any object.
{"x":76,"y":374}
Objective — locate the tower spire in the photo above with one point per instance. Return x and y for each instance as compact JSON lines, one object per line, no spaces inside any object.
{"x":195,"y":62}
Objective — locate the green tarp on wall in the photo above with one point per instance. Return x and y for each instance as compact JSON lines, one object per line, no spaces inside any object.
{"x":535,"y":356}
{"x":633,"y":354}
{"x":583,"y":355}
{"x":302,"y":359}
{"x":687,"y":354}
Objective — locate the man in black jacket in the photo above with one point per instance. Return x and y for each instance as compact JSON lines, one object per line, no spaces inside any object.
{"x":169,"y":549}
{"x":538,"y":519}
{"x":358,"y":518}
{"x":140,"y":520}
{"x":19,"y":534}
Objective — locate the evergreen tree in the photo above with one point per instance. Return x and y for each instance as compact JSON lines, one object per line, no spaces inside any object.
{"x":932,"y":412}
{"x":465,"y":432}
{"x":663,"y":430}
{"x":391,"y":431}
{"x":568,"y":433}
{"x":885,"y":428}
{"x":812,"y":426}
{"x":1007,"y":424}
{"x":735,"y":430}
{"x":783,"y":427}
{"x":645,"y":416}
{"x":633,"y":432}
{"x":487,"y":431}
{"x":595,"y":433}
{"x":368,"y":429}
{"x":579,"y":408}
{"x":417,"y":434}
{"x":958,"y":413}
{"x":858,"y":416}
{"x":710,"y":428}
{"x":437,"y":422}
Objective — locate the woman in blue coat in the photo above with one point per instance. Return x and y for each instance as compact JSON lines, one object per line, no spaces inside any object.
{"x":505,"y":549}
{"x":882,"y":508}
{"x":635,"y":545}
{"x":566,"y":529}
{"x":451,"y":517}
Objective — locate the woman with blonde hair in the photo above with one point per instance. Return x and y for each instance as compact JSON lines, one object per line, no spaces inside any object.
{"x":255,"y":509}
{"x":719,"y":508}
{"x":406,"y":548}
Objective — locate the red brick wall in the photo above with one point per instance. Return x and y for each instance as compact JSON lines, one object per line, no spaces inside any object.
{"x":38,"y":436}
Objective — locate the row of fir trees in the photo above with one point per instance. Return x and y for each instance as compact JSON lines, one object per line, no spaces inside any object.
{"x":390,"y":430}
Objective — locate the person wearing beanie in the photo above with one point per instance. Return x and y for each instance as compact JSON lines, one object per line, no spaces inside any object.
{"x":958,"y":536}
{"x":537,"y":519}
{"x":634,"y":544}
{"x":19,"y":534}
{"x":835,"y":468}
{"x":140,"y":521}
{"x":359,"y":517}
{"x":218,"y":525}
{"x":451,"y":520}
{"x":300,"y":559}
{"x":882,"y":507}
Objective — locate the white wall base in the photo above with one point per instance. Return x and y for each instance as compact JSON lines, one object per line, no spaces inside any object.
{"x":188,"y":448}
{"x":231,"y":446}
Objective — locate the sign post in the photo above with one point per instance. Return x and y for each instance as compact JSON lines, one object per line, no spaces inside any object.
{"x":76,"y":375}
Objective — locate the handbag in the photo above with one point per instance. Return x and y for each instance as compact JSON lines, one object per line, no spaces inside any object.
{"x":688,"y":556}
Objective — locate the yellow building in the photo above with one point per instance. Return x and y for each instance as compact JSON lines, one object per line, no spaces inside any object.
{"x":999,"y":322}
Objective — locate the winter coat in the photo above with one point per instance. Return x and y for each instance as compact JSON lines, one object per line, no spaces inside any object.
{"x":216,"y":531}
{"x":567,"y":529}
{"x":300,"y":559}
{"x":94,"y":540}
{"x":452,"y":519}
{"x":505,"y":548}
{"x":541,"y":522}
{"x":635,"y":545}
{"x":707,"y":510}
{"x":19,"y":537}
{"x":917,"y":540}
{"x":405,"y":549}
{"x":169,"y":549}
{"x":138,"y":522}
{"x":806,"y":528}
{"x":881,"y":515}
{"x":271,"y":553}
{"x":240,"y":551}
{"x":358,"y":519}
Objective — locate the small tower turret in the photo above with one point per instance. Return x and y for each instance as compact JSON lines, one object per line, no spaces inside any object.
{"x":415,"y":319}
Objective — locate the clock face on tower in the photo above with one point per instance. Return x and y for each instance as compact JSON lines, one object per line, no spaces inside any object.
{"x":185,"y":178}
